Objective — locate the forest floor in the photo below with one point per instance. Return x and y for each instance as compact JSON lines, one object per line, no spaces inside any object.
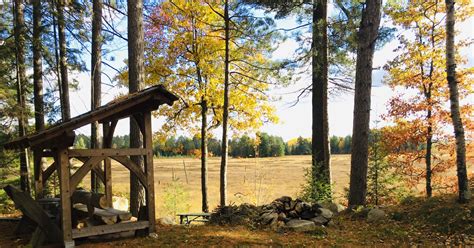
{"x":417,"y":221}
{"x":438,"y":221}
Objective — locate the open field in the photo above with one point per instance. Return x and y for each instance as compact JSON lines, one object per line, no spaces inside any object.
{"x":251,"y":180}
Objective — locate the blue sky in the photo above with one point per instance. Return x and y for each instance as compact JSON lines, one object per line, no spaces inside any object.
{"x":294,"y":120}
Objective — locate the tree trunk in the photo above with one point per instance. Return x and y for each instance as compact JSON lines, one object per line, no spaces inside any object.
{"x":429,"y":145}
{"x":225,"y":115}
{"x":21,"y":89}
{"x":65,"y":106}
{"x":205,"y":206}
{"x":38,"y":92}
{"x":320,"y":139}
{"x":96,"y":73}
{"x":367,"y":37}
{"x":136,"y":83}
{"x":463,"y":186}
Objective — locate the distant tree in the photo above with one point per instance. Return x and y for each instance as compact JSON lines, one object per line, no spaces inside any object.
{"x":302,"y":147}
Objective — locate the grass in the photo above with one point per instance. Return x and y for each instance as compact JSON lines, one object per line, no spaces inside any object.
{"x":418,"y":229}
{"x":251,"y":180}
{"x":416,"y":221}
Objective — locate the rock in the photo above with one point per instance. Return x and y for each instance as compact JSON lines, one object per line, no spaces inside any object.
{"x":120,"y":203}
{"x":293,"y":214}
{"x":320,"y":220}
{"x":268,"y":218}
{"x":282,"y":216}
{"x":299,"y":207}
{"x":375,"y":215}
{"x":334,"y":207}
{"x":326,"y":213}
{"x":283,"y":199}
{"x":166,"y":221}
{"x":307,"y":214}
{"x":300,"y":225}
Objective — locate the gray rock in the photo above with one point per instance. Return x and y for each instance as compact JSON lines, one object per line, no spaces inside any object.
{"x":307,"y":214}
{"x":326,"y":213}
{"x":320,"y":220}
{"x":293,"y":214}
{"x":299,"y":207}
{"x":166,"y":221}
{"x":283,"y":199}
{"x":334,"y":207}
{"x":268,"y":218}
{"x":300,"y":225}
{"x":282,"y":216}
{"x":375,"y":215}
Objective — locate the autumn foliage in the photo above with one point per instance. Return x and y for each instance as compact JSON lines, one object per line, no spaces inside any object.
{"x":420,"y":138}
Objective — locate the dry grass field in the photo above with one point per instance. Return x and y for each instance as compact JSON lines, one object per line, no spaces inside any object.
{"x":250,"y":180}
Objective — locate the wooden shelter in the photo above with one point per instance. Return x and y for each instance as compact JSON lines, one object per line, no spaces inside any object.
{"x":56,"y":142}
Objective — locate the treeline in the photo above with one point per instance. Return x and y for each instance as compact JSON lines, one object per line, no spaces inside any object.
{"x":262,"y":145}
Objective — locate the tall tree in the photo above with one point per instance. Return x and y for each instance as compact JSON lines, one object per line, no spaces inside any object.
{"x":136,"y":82}
{"x":64,"y":96}
{"x":96,"y":74}
{"x":38,"y":83}
{"x":225,"y":112}
{"x":186,"y":47}
{"x":21,"y":81}
{"x":463,"y":186}
{"x":418,"y":69}
{"x":366,"y":40}
{"x":321,"y":169}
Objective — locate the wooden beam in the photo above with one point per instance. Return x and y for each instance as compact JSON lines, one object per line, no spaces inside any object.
{"x":99,"y":172}
{"x":38,"y":172}
{"x":48,"y":172}
{"x":65,"y":193}
{"x":83,"y":170}
{"x":106,"y":152}
{"x":33,"y":210}
{"x":133,"y":167}
{"x":149,"y":171}
{"x":139,"y":120}
{"x":108,"y":129}
{"x":64,"y":139}
{"x":108,"y":181}
{"x":107,"y":143}
{"x":105,"y":229}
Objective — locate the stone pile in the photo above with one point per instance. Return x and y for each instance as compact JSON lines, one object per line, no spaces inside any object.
{"x":298,"y":215}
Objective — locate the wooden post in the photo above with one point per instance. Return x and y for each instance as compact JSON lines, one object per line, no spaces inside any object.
{"x":107,"y":143}
{"x":149,"y":172}
{"x":38,"y":172}
{"x":62,"y":159}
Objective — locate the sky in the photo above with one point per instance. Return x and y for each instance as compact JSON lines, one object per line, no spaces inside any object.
{"x":294,"y":120}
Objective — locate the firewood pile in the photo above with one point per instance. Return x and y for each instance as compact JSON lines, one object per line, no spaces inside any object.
{"x":90,"y":209}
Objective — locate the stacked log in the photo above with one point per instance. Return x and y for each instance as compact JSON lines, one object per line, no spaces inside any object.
{"x":90,"y":209}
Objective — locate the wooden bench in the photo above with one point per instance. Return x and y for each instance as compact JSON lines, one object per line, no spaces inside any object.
{"x":187,"y":218}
